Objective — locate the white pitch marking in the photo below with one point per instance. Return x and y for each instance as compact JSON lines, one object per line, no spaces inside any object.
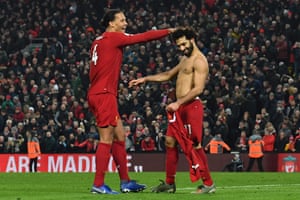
{"x":244,"y":186}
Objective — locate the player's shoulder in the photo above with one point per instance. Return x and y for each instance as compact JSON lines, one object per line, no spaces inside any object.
{"x":200,"y":55}
{"x":106,"y":35}
{"x":99,"y":38}
{"x":116,"y":34}
{"x":200,"y":58}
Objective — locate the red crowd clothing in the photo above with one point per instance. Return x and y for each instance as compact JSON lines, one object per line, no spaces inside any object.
{"x":89,"y":145}
{"x":18,"y":116}
{"x":148,"y":144}
{"x":269,"y":141}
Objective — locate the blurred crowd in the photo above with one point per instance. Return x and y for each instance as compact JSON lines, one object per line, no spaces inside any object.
{"x":252,"y":46}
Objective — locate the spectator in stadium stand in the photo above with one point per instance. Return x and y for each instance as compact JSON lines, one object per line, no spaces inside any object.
{"x":72,"y":143}
{"x":81,"y":134}
{"x":61,"y":144}
{"x":76,"y":109}
{"x":161,"y":141}
{"x":278,"y":116}
{"x":18,"y":115}
{"x":296,"y":120}
{"x":61,"y":116}
{"x":2,"y":144}
{"x":103,"y":88}
{"x":221,"y":128}
{"x":296,"y":58}
{"x":290,"y":146}
{"x":88,"y":145}
{"x":286,"y":126}
{"x":246,"y":123}
{"x":21,"y":129}
{"x":282,"y":49}
{"x":139,"y":135}
{"x":48,"y":143}
{"x":271,"y":103}
{"x":280,"y":142}
{"x":3,"y":56}
{"x":207,"y":137}
{"x":269,"y":137}
{"x":297,"y":141}
{"x":148,"y":144}
{"x":291,"y":107}
{"x":9,"y":124}
{"x":3,"y":119}
{"x":241,"y":144}
{"x":8,"y":105}
{"x":129,"y":139}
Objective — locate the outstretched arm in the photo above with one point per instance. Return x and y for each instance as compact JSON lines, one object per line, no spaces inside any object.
{"x":161,"y":77}
{"x":123,"y":39}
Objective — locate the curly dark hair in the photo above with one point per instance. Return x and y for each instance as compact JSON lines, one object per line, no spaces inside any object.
{"x":189,"y":33}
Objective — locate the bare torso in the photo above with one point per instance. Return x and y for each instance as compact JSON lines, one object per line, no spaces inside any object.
{"x":185,"y":76}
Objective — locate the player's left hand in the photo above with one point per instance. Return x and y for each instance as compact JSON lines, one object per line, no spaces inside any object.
{"x":136,"y":82}
{"x":172,"y":107}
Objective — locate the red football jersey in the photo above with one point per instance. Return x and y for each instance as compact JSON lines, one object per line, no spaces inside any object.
{"x":106,"y":58}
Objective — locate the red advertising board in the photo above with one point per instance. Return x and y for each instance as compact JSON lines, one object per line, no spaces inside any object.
{"x":138,"y":162}
{"x":51,"y":163}
{"x":288,"y":162}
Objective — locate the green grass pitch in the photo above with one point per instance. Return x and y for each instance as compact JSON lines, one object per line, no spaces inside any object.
{"x":73,"y":186}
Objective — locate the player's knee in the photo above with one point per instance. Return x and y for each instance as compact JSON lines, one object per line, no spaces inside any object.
{"x":170,"y":142}
{"x":106,"y":138}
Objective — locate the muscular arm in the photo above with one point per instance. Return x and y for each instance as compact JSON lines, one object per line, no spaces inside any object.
{"x":161,"y":77}
{"x":164,"y":76}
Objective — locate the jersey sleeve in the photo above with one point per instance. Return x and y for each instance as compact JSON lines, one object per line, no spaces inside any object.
{"x":123,"y":39}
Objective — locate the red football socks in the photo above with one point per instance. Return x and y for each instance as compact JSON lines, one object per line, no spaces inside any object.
{"x":206,"y":178}
{"x":171,"y":164}
{"x":120,"y":158}
{"x":102,"y":159}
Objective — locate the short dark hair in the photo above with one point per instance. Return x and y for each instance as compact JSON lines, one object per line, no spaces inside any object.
{"x":109,"y":16}
{"x":189,"y":33}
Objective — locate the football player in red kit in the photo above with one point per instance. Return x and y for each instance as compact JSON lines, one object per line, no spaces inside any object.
{"x":106,"y":58}
{"x":191,"y":74}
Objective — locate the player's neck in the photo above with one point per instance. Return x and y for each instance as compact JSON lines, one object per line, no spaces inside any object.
{"x":109,"y":29}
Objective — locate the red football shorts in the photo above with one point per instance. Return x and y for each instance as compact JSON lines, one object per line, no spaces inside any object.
{"x":191,"y":115}
{"x":104,"y":106}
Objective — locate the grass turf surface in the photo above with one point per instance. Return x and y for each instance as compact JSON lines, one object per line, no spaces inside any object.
{"x":73,"y":186}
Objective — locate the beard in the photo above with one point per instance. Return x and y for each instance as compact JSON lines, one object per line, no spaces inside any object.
{"x":188,"y":51}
